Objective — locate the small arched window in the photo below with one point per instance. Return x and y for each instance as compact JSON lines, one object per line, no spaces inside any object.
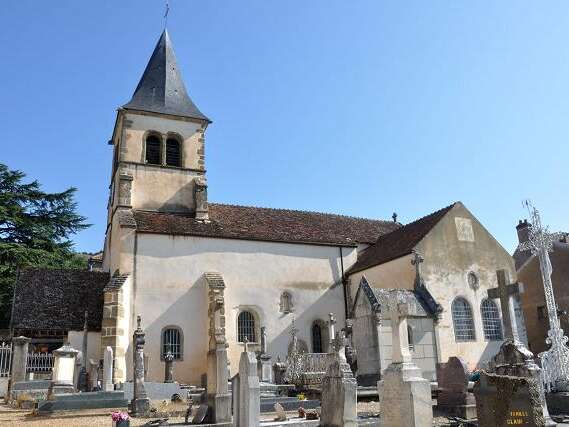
{"x":172,"y":342}
{"x":491,"y":321}
{"x":246,"y":327}
{"x":286,"y":303}
{"x":317,"y":346}
{"x":173,"y":157}
{"x":462,"y":320}
{"x":153,"y":150}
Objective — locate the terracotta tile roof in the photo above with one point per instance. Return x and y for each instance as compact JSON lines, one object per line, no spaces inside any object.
{"x":280,"y":225}
{"x":399,"y":242}
{"x":57,"y":299}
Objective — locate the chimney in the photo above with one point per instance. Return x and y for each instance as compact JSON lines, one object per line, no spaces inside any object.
{"x":523,"y":230}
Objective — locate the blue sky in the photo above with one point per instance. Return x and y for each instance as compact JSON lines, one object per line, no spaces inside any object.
{"x":354,"y":107}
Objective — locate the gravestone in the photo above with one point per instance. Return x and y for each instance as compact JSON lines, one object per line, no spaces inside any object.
{"x":218,"y":396}
{"x":140,"y":404}
{"x":453,"y":396}
{"x":339,"y":390}
{"x":279,"y":370}
{"x":63,"y":373}
{"x":405,"y":394}
{"x":280,"y":412}
{"x":249,"y":390}
{"x":19,"y":358}
{"x":513,"y":380}
{"x":504,"y":400}
{"x":108,"y":369}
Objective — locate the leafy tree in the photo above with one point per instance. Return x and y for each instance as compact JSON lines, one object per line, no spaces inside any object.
{"x":34,"y":231}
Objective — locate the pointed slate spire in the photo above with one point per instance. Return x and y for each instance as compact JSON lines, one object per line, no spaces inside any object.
{"x":161,"y":88}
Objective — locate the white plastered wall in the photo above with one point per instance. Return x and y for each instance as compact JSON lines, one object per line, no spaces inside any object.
{"x":170,"y":290}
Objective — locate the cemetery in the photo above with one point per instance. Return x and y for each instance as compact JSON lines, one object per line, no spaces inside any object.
{"x":215,"y":314}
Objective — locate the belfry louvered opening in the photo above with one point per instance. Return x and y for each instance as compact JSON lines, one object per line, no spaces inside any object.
{"x":153,"y":150}
{"x":173,"y":157}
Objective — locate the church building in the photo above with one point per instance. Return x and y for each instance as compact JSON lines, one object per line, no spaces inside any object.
{"x":167,"y":247}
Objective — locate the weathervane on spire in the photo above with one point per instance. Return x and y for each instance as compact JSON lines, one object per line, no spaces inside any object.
{"x":166,"y":14}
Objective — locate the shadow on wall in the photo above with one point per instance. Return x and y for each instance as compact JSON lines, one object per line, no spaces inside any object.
{"x":490,"y":350}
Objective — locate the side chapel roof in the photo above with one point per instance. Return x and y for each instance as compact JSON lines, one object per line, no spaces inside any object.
{"x":57,"y":299}
{"x":398,"y":242}
{"x":161,"y":88}
{"x":267,"y":224}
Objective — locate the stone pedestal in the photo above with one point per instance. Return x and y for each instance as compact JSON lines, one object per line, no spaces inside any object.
{"x":63,"y":371}
{"x":405,"y":397}
{"x":169,"y":368}
{"x":249,"y":410}
{"x":108,"y":369}
{"x":19,"y":358}
{"x":339,"y":395}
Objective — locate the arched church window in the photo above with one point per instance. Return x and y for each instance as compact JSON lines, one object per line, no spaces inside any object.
{"x":317,"y":346}
{"x":491,"y":321}
{"x":246,"y":327}
{"x":410,"y":337}
{"x":173,"y":157}
{"x":463,"y":320}
{"x":153,"y":150}
{"x":172,"y":341}
{"x":286,"y":303}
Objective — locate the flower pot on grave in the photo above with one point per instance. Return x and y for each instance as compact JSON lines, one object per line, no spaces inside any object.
{"x":121,"y":423}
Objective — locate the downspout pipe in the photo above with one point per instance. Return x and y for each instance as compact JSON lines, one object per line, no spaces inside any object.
{"x":344,"y":283}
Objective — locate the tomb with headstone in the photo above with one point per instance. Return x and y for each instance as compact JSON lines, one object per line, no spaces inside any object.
{"x":405,"y":396}
{"x":247,"y":392}
{"x":63,"y":374}
{"x":511,"y":392}
{"x":454,"y":395}
{"x":339,"y":390}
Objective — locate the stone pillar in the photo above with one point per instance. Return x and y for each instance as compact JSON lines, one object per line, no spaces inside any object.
{"x":339,"y":391}
{"x":169,"y":368}
{"x":140,"y":404}
{"x":218,"y":396}
{"x":63,"y":371}
{"x":405,"y":395}
{"x":108,"y":369}
{"x":19,"y":358}
{"x":265,"y":369}
{"x":249,"y":390}
{"x":331,"y":330}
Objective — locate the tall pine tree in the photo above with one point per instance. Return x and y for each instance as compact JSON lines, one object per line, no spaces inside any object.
{"x":35,"y":228}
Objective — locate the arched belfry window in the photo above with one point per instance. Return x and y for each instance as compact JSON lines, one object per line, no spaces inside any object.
{"x":463,"y":320}
{"x":317,"y":346}
{"x":491,"y":321}
{"x":246,"y":327}
{"x":173,"y":156}
{"x":153,"y":150}
{"x":172,"y":341}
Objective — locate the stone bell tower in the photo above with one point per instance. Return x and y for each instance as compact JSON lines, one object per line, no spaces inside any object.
{"x":158,"y":165}
{"x":158,"y":140}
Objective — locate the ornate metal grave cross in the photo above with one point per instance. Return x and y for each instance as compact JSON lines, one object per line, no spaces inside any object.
{"x":504,"y":291}
{"x":555,"y":361}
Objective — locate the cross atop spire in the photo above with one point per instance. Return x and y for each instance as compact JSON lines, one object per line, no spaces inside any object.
{"x":161,"y":88}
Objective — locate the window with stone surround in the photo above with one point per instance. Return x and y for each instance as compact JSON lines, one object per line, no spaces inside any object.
{"x":246,"y":327}
{"x":173,"y":155}
{"x":491,"y":321}
{"x":172,"y":341}
{"x":153,"y":150}
{"x":463,"y":320}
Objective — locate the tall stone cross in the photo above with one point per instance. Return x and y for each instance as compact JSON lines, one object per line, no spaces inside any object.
{"x":417,"y":261}
{"x":504,"y":292}
{"x":400,"y":338}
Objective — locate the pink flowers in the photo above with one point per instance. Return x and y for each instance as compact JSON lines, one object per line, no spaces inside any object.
{"x":120,"y":416}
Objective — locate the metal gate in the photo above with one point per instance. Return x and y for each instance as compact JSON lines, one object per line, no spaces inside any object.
{"x":5,"y":359}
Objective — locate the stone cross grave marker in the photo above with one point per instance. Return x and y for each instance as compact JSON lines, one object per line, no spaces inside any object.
{"x":400,"y":338}
{"x":108,"y":369}
{"x":504,"y":292}
{"x":249,"y":389}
